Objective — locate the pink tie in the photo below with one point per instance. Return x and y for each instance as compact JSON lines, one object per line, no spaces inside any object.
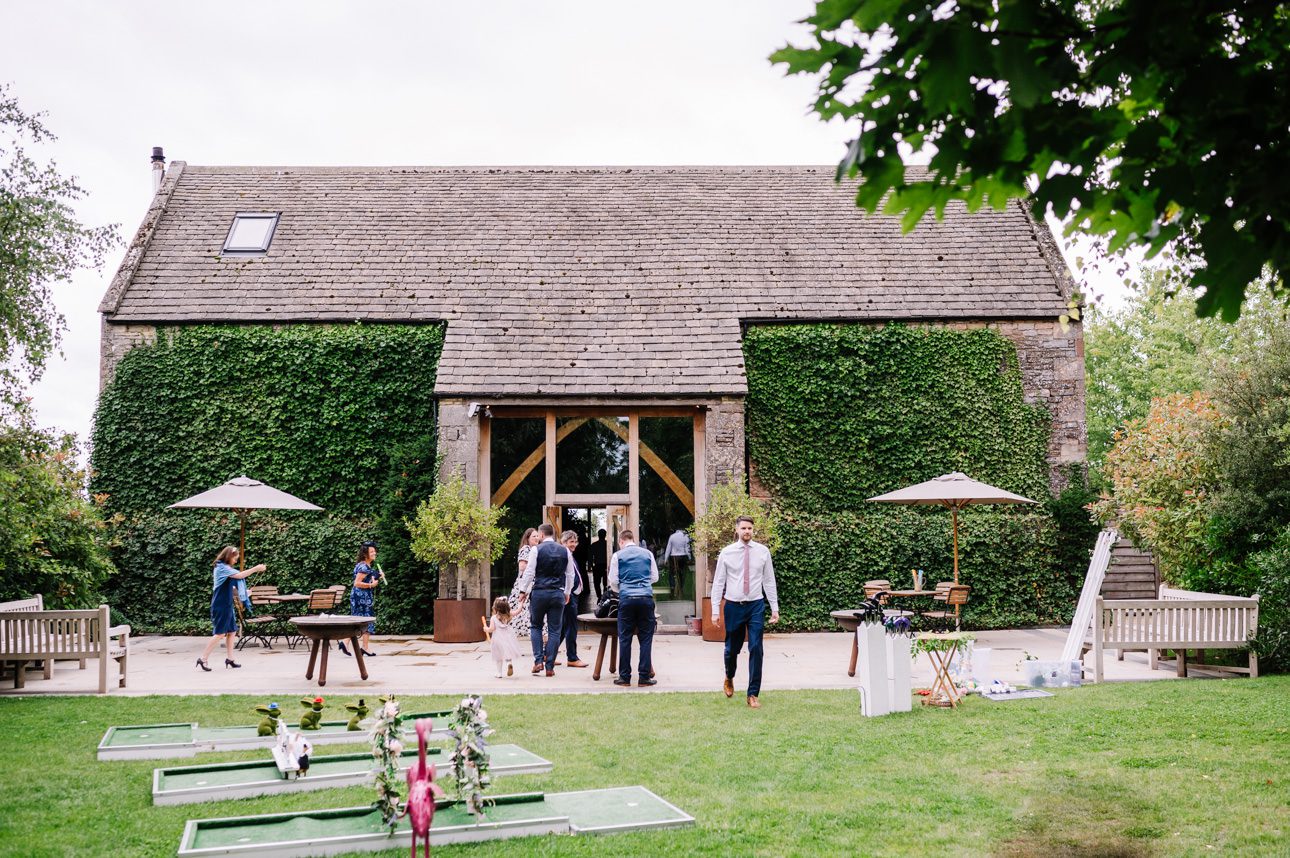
{"x":747,"y":583}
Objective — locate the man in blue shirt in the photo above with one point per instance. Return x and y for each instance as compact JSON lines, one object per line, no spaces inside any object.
{"x":632,"y":572}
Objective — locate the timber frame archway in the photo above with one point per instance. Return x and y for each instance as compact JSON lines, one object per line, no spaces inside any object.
{"x":547,"y":455}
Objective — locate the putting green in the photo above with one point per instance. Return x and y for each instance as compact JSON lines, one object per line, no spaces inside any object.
{"x":216,"y":781}
{"x":360,"y":829}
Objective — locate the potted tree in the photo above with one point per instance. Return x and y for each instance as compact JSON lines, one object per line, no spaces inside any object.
{"x":454,"y":530}
{"x":715,"y":529}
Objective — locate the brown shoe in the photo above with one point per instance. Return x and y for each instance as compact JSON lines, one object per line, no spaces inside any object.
{"x":537,"y":668}
{"x":550,"y":673}
{"x":510,"y":670}
{"x":753,"y":704}
{"x":728,"y":687}
{"x":578,"y":663}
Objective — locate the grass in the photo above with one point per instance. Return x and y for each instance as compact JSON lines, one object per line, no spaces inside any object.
{"x":1160,"y":768}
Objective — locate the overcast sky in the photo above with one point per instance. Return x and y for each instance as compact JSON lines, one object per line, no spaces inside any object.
{"x":415,"y":83}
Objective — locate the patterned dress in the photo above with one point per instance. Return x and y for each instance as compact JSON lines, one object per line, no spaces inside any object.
{"x":362,"y":602}
{"x":520,"y":615}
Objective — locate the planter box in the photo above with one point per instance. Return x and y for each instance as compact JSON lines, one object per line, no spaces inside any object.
{"x":161,"y":741}
{"x":458,"y":620}
{"x":220,"y":781}
{"x":359,"y":829}
{"x":713,"y":632}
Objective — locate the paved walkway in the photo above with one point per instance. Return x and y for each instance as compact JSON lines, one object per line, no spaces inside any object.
{"x":418,"y":665}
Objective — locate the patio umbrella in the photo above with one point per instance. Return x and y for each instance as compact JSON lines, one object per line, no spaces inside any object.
{"x":955,"y":491}
{"x":243,"y":494}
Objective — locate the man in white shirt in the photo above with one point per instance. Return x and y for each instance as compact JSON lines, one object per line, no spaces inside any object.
{"x":745,"y":576}
{"x":677,"y":557}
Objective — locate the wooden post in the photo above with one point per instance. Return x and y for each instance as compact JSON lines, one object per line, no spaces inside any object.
{"x":1097,"y":640}
{"x":485,"y":494}
{"x":954,"y":515}
{"x":634,"y":473}
{"x":550,"y":458}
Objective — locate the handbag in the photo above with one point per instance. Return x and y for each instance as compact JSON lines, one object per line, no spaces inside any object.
{"x":607,"y":606}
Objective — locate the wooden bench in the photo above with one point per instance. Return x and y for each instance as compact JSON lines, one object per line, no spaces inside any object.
{"x":39,"y":635}
{"x":1179,"y":620}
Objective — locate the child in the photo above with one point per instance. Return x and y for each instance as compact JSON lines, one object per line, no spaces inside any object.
{"x":505,"y":646}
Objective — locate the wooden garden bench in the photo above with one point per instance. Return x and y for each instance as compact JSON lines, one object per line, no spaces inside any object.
{"x":39,"y":635}
{"x":1179,"y":620}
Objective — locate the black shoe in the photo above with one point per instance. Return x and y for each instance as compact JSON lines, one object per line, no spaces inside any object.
{"x":201,"y":662}
{"x":228,"y":662}
{"x":621,"y":681}
{"x":648,"y":682}
{"x":340,"y":645}
{"x":369,"y":654}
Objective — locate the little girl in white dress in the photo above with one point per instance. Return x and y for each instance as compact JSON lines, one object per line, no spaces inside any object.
{"x":505,"y":646}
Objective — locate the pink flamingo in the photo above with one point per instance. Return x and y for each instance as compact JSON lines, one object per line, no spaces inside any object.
{"x":422,"y":790}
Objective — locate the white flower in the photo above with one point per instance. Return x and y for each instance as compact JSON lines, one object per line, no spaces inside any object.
{"x":391,"y":708}
{"x":483,"y":716}
{"x":396,"y":747}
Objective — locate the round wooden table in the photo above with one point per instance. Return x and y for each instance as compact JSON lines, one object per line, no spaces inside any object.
{"x":322,"y":630}
{"x":607,"y":628}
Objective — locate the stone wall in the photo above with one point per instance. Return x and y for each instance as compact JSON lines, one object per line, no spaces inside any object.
{"x":115,"y":341}
{"x":724,"y":434}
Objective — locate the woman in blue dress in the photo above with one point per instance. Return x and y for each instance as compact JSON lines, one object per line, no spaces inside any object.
{"x":362,"y":598}
{"x":223,"y":618}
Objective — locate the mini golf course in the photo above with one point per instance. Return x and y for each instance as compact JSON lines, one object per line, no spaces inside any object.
{"x":160,"y":741}
{"x":359,"y":829}
{"x":218,"y":781}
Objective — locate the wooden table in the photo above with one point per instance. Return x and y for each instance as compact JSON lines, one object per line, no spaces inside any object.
{"x":941,"y":664}
{"x":322,"y":629}
{"x":607,"y":628}
{"x":849,"y":622}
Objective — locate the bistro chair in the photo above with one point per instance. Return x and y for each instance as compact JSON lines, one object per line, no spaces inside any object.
{"x":876,"y":586}
{"x":322,"y":600}
{"x":954,"y":597}
{"x":253,"y":627}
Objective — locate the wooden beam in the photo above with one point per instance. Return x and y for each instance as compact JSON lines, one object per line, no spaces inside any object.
{"x":526,"y":467}
{"x":656,"y":464}
{"x":633,"y":468}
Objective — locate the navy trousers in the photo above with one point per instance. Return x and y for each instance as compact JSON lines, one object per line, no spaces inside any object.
{"x":548,"y":604}
{"x":635,"y":617}
{"x":745,"y":618}
{"x":569,"y":629}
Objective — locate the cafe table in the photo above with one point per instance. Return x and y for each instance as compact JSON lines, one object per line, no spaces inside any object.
{"x":286,"y":606}
{"x":607,"y":628}
{"x":322,"y":629}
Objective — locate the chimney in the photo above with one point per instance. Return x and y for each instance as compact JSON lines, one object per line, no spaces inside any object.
{"x":158,"y":167}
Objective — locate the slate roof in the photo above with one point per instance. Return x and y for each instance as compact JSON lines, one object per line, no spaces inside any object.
{"x":607,"y":281}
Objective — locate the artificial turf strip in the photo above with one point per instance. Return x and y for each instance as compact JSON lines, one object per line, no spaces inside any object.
{"x":1164,"y":768}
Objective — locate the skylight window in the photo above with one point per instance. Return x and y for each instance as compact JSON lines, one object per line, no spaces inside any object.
{"x":251,"y":232}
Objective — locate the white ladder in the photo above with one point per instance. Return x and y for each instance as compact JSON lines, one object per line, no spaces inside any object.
{"x":1088,"y":596}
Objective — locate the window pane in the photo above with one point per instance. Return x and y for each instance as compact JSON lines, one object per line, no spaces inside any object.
{"x":666,"y":498}
{"x":250,"y":233}
{"x":514,"y":440}
{"x":592,"y":458}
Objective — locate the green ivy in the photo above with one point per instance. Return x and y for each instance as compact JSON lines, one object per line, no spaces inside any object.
{"x":341,"y":416}
{"x":839,"y":413}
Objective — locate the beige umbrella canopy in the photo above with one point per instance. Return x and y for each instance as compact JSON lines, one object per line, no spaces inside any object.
{"x":243,"y":494}
{"x":955,"y":491}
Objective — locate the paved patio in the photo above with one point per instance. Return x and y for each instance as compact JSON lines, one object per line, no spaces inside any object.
{"x":418,"y":665}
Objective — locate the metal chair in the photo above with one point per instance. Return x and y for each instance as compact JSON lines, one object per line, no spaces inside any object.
{"x":253,"y":627}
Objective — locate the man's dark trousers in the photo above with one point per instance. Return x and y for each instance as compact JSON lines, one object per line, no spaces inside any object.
{"x":741,"y":618}
{"x":635,"y":617}
{"x":548,"y":604}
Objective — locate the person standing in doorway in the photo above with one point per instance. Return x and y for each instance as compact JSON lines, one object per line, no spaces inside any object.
{"x":677,"y":557}
{"x":745,"y":576}
{"x":632,"y":572}
{"x":548,"y":588}
{"x":598,"y":563}
{"x":569,"y":622}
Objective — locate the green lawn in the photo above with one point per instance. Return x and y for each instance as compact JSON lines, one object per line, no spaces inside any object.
{"x":1167,"y":768}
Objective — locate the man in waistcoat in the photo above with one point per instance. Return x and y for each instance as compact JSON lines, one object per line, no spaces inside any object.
{"x":746,"y":578}
{"x":632,"y":572}
{"x":549,"y":588}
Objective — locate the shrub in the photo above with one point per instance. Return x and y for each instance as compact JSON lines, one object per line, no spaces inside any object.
{"x":454,"y":528}
{"x":1272,"y":568}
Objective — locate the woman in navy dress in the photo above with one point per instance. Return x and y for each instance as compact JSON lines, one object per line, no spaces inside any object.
{"x":223,"y":618}
{"x":362,"y":598}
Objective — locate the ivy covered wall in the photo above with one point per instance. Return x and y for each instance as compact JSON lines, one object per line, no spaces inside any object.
{"x":342,"y":416}
{"x":839,"y":413}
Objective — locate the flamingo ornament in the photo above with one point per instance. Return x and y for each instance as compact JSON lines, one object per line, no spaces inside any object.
{"x":422,"y":790}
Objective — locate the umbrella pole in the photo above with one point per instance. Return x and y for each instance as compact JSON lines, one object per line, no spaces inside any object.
{"x":954,"y":515}
{"x":241,"y":544}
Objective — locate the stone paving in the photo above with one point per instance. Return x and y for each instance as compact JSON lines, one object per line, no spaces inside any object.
{"x":419,"y":665}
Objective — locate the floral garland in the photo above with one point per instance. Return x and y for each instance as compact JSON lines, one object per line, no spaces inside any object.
{"x":940,"y":644}
{"x":469,"y":725}
{"x":387,"y":748}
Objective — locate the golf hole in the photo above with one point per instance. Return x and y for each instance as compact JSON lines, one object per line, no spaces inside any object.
{"x":201,"y":783}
